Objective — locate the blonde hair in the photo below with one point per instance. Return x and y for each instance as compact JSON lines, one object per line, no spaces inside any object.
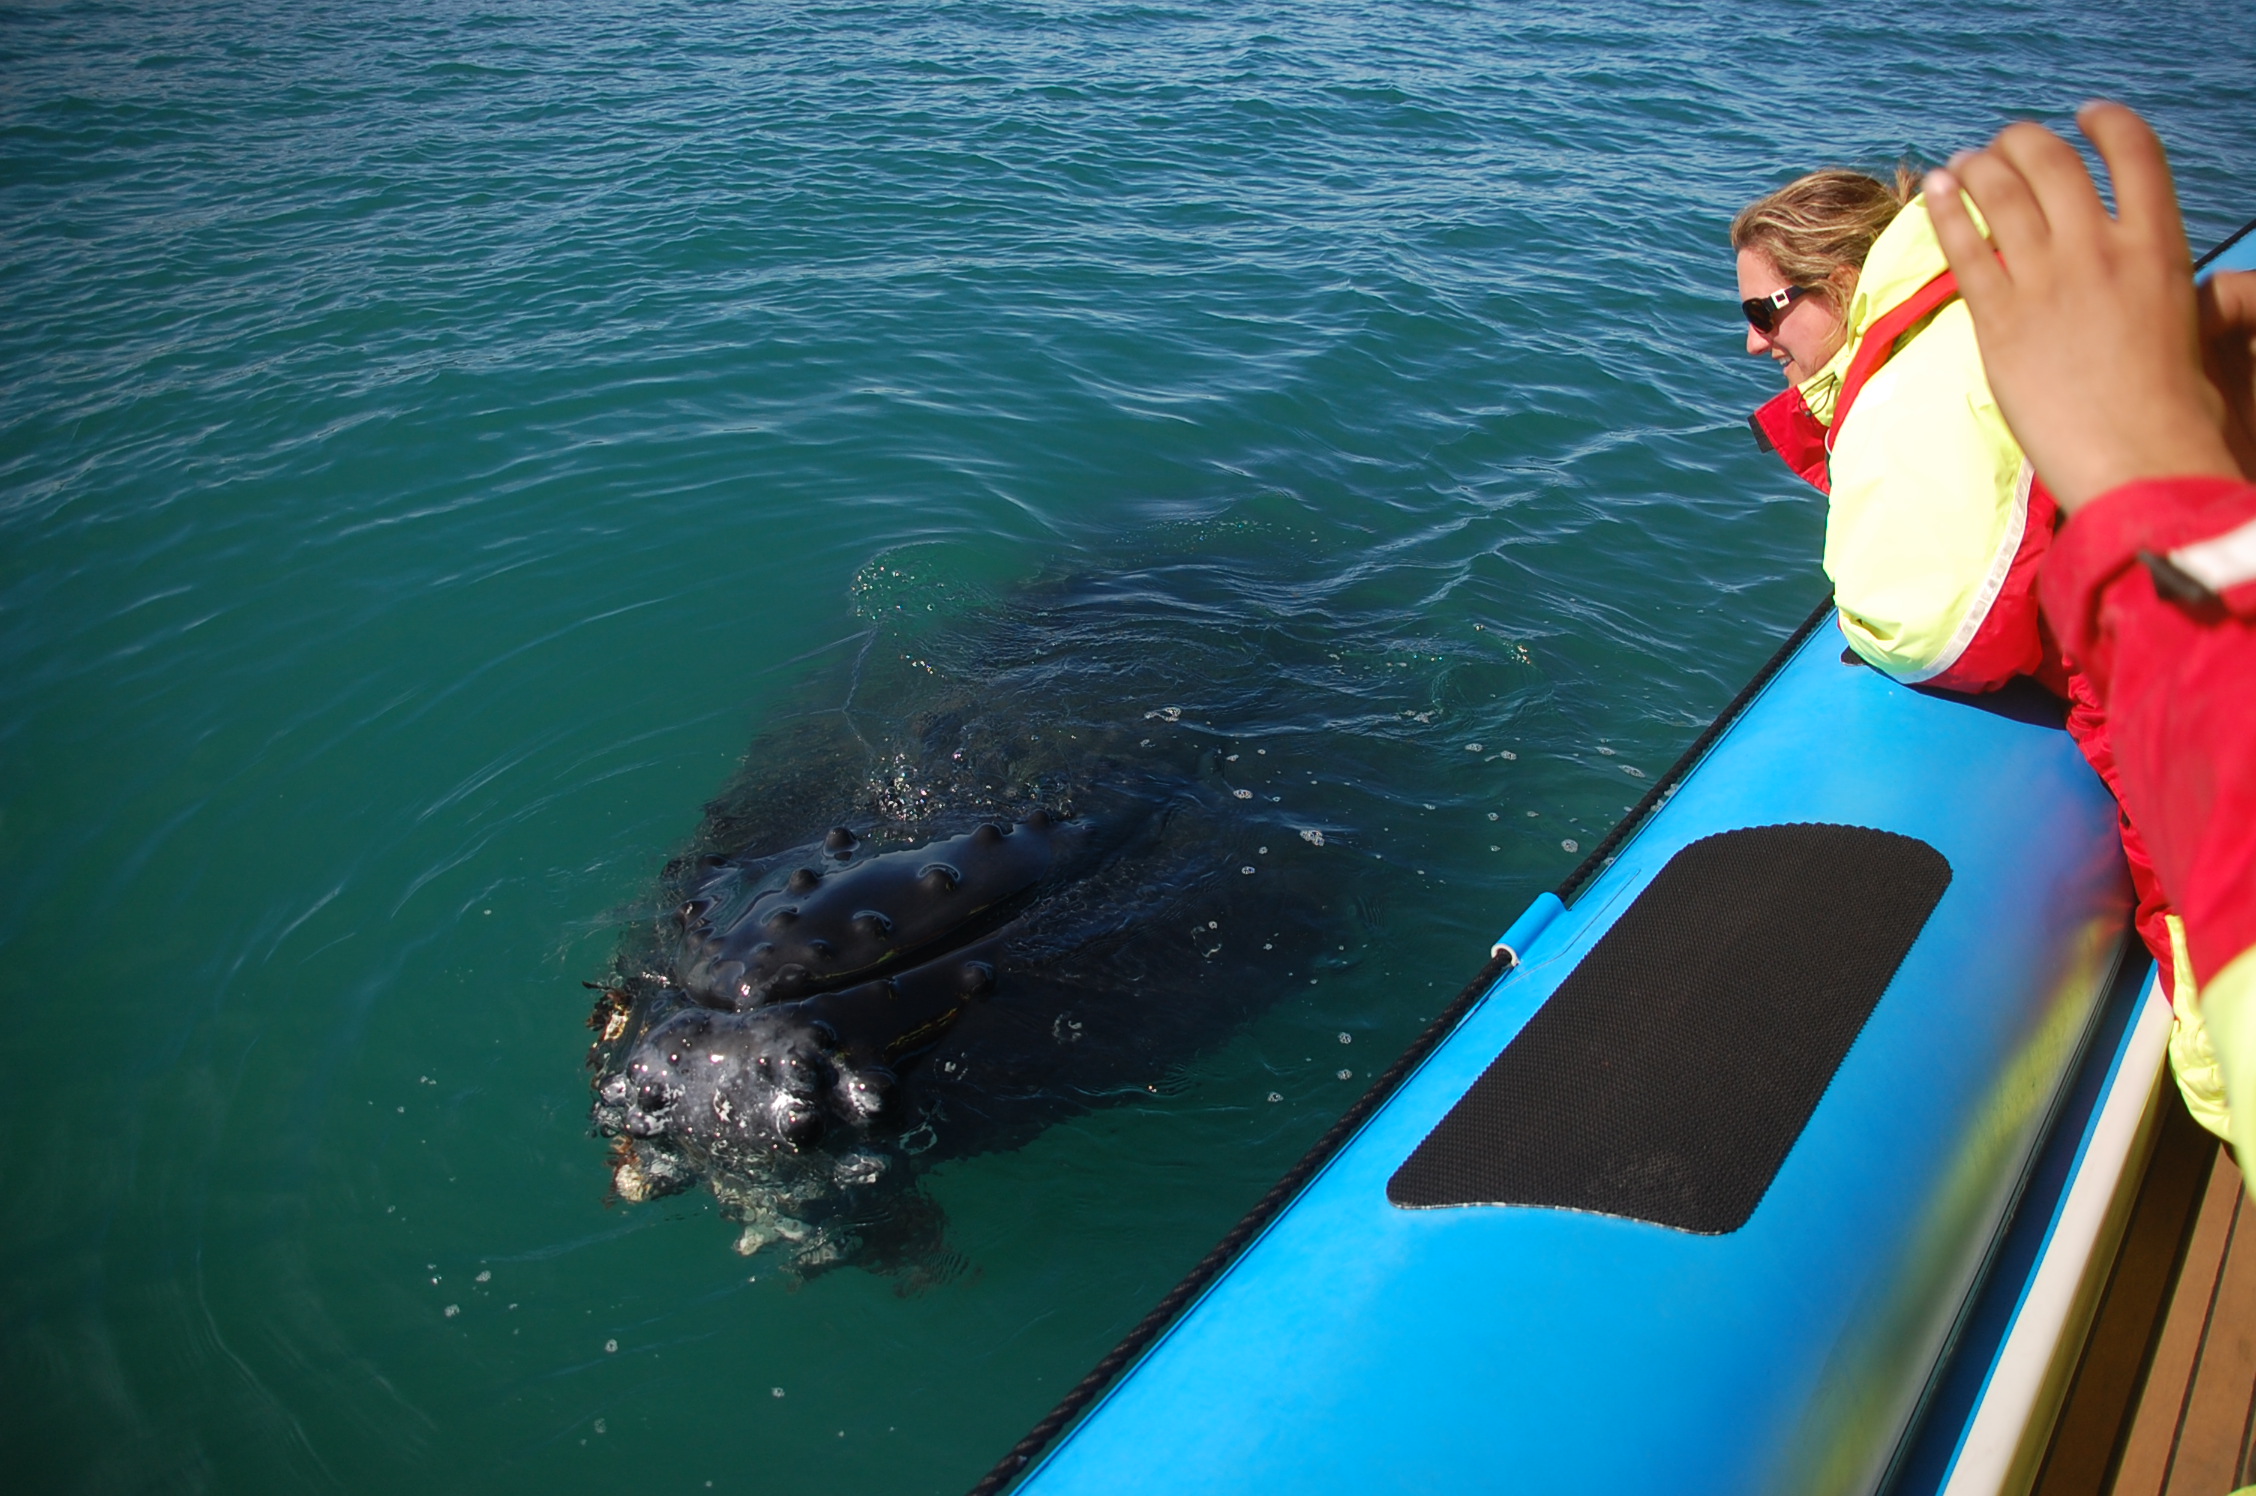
{"x":1818,"y":226}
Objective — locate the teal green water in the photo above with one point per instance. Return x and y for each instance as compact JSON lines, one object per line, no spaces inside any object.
{"x":437,"y":439}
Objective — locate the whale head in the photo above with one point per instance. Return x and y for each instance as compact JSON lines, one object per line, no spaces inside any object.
{"x":737,"y":1087}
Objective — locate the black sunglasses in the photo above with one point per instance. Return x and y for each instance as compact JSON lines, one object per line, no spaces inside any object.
{"x":1764,"y":311}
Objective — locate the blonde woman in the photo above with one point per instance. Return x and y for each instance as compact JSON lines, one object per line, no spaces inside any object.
{"x":1934,"y":529}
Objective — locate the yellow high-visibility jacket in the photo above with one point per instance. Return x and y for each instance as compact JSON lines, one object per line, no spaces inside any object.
{"x":1933,"y":534}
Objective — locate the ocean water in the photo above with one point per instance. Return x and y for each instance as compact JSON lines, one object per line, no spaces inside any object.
{"x":439,"y":441}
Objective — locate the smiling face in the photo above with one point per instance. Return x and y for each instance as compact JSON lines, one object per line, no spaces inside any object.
{"x":1805,"y":336}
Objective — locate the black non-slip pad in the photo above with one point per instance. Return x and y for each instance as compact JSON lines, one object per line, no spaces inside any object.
{"x":1669,"y":1075}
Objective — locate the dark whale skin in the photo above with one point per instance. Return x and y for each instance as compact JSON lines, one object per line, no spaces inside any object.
{"x":737,"y":1085}
{"x":810,"y":991}
{"x":808,"y":1070}
{"x":846,"y":920}
{"x":772,"y":1065}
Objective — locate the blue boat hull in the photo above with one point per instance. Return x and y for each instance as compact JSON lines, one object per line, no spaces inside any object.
{"x":1359,"y":1347}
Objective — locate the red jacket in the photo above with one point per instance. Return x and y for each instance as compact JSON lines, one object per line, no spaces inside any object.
{"x":2177,"y":676}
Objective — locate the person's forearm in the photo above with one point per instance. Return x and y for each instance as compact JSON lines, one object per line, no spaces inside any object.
{"x":2179,"y":682}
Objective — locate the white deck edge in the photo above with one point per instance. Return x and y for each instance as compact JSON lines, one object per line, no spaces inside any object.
{"x":1993,"y":1458}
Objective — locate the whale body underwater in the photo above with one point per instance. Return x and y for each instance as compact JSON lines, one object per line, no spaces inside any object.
{"x":912,"y":935}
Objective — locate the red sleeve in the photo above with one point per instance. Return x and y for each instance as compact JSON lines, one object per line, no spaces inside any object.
{"x":2179,"y":681}
{"x":2009,"y":643}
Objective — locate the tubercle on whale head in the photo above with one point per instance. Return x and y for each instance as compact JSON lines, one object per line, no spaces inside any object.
{"x":870,"y":1095}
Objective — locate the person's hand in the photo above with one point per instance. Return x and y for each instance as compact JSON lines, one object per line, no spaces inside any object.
{"x":2088,"y":323}
{"x":2228,"y":347}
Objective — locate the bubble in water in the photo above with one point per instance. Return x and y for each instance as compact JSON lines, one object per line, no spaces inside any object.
{"x":1472,"y":747}
{"x":1313,"y":837}
{"x":1570,"y":844}
{"x":485,"y":1275}
{"x":610,"y":1347}
{"x":601,"y":1427}
{"x":1247,"y":869}
{"x":1243,"y":794}
{"x":452,"y":1310}
{"x":1347,"y":1075}
{"x":1276,"y":1096}
{"x":1508,"y":753}
{"x":1347,"y":1038}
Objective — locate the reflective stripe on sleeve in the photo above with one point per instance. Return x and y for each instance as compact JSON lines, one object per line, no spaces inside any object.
{"x":2221,"y":562}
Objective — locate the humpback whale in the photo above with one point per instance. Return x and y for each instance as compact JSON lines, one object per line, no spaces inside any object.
{"x":921,"y":931}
